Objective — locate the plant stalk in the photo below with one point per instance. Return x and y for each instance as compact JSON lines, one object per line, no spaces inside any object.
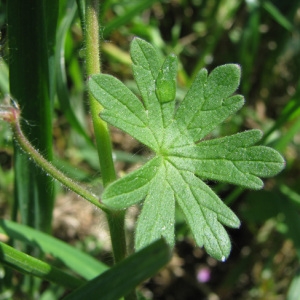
{"x":92,"y":43}
{"x":50,"y":169}
{"x":93,"y":67}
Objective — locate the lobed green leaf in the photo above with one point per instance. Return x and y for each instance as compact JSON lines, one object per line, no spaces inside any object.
{"x":121,"y":107}
{"x":175,"y":173}
{"x":222,"y":83}
{"x":231,"y":159}
{"x":132,"y":188}
{"x":204,"y":212}
{"x":205,"y":106}
{"x":145,"y":55}
{"x":157,"y":218}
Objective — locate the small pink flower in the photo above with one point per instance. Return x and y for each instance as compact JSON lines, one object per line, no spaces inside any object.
{"x":203,"y":274}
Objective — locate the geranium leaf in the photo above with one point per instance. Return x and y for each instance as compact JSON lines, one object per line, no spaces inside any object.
{"x":158,"y":214}
{"x":204,"y":212}
{"x":132,"y":188}
{"x":231,"y":159}
{"x":204,"y":106}
{"x":145,"y":55}
{"x":122,"y":107}
{"x":181,"y":161}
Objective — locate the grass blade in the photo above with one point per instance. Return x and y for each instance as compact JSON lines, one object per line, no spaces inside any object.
{"x":125,"y":276}
{"x":61,"y":80}
{"x":81,"y":263}
{"x":277,"y":15}
{"x":29,"y":84}
{"x":27,"y":264}
{"x":130,"y":13}
{"x":4,"y":84}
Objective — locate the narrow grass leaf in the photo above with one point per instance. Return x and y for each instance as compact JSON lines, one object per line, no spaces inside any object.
{"x":4,"y":83}
{"x":277,"y":15}
{"x":136,"y":10}
{"x":81,"y":263}
{"x":29,"y":83}
{"x":60,"y":70}
{"x":27,"y":264}
{"x":122,"y":278}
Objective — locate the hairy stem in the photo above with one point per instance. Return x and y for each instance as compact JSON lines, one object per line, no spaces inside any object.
{"x":93,"y":67}
{"x":103,"y":141}
{"x":49,"y":168}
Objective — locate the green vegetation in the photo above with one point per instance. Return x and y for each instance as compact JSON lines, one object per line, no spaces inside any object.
{"x":191,"y":139}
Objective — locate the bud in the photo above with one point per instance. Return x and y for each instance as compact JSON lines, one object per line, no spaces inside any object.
{"x":166,"y":80}
{"x":10,"y":113}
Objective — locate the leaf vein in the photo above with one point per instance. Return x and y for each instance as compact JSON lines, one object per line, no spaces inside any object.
{"x":120,"y":100}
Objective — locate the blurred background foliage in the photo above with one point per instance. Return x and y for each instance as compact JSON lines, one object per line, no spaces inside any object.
{"x":264,"y":38}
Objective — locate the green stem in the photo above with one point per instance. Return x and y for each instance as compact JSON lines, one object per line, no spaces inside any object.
{"x":116,"y":224}
{"x":27,"y":264}
{"x":93,"y":67}
{"x":103,"y":141}
{"x":50,"y":169}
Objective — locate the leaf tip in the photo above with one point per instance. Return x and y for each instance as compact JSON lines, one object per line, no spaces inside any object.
{"x":234,"y":67}
{"x":135,"y":40}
